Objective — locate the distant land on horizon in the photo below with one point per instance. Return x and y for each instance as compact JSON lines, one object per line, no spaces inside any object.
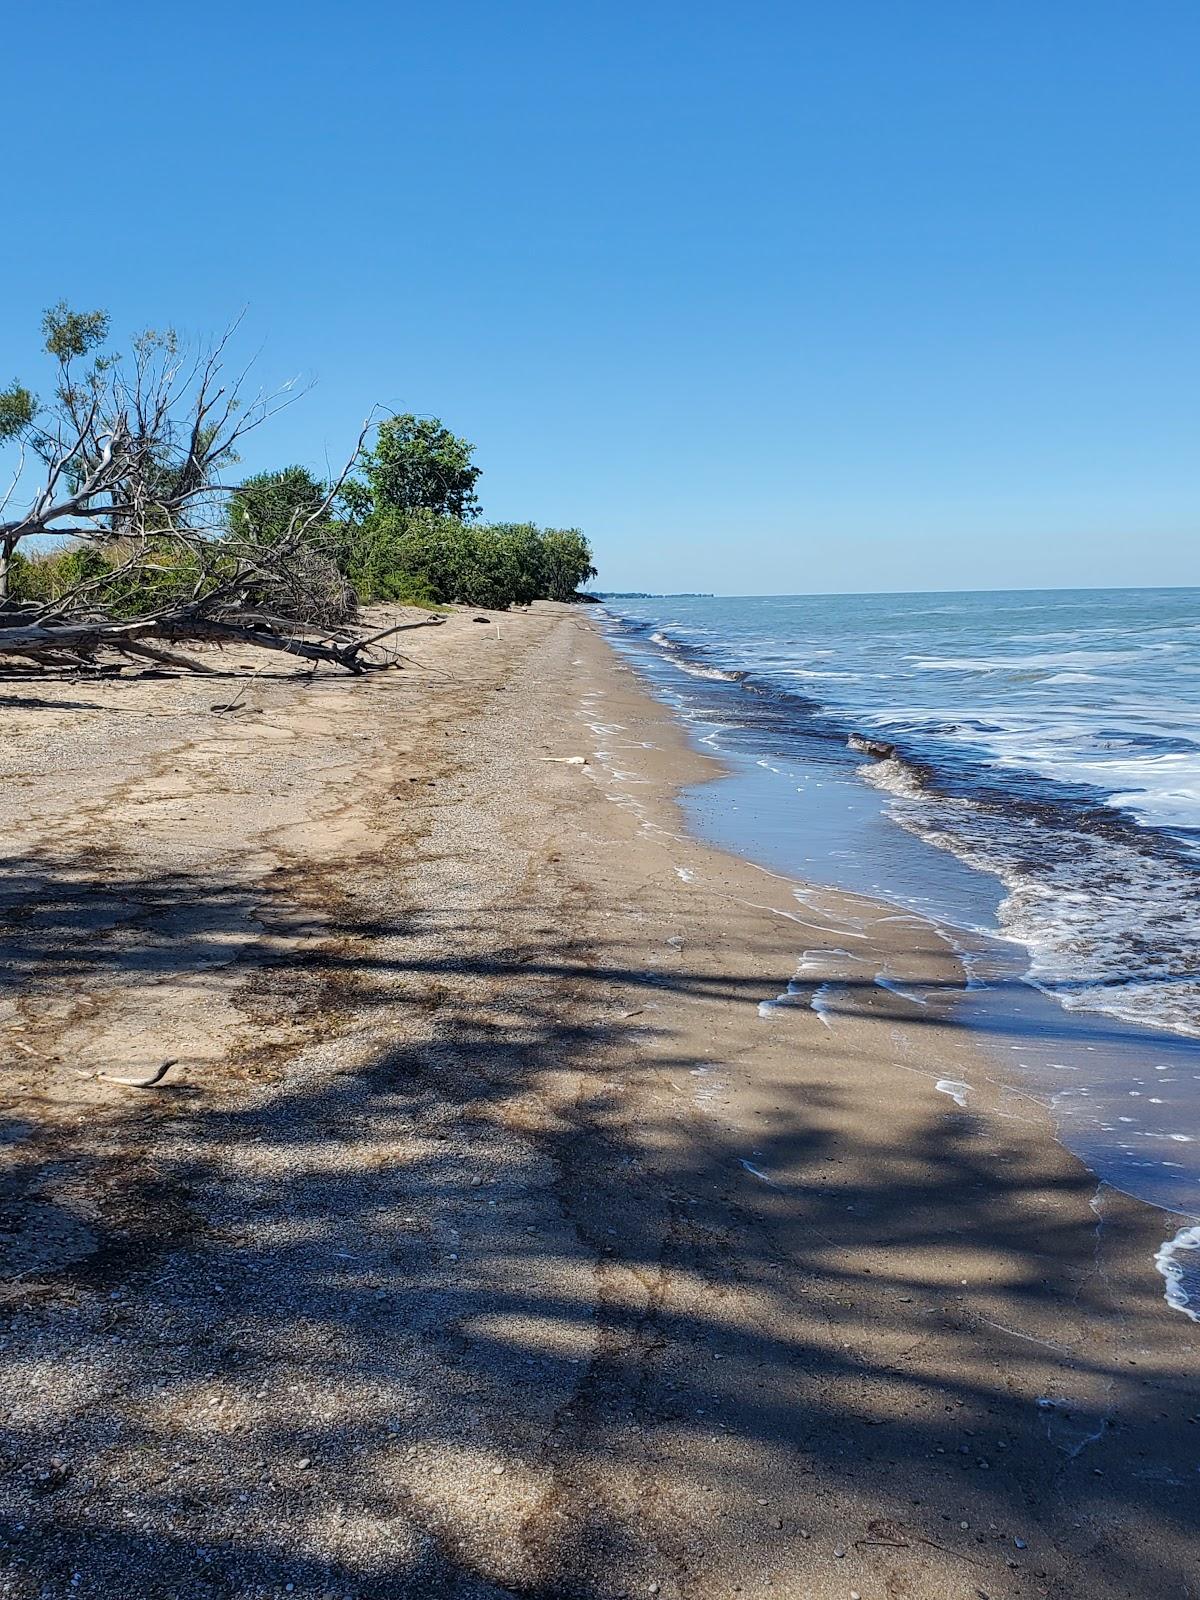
{"x":890,"y":594}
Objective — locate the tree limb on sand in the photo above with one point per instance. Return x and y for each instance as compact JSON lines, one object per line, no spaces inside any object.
{"x":156,"y":1076}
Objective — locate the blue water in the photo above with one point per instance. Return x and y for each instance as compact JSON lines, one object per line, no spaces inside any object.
{"x":1045,"y":772}
{"x":1035,"y":785}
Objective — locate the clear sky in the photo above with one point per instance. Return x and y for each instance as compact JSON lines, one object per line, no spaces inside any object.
{"x":765,"y":297}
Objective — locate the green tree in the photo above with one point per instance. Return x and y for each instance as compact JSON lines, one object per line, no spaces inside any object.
{"x":379,"y":558}
{"x":18,"y":407}
{"x":520,"y":558}
{"x":270,"y":505}
{"x":566,"y":563}
{"x":69,"y":334}
{"x":419,"y":465}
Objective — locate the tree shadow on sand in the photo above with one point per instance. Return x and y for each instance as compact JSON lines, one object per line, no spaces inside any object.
{"x":425,"y":1313}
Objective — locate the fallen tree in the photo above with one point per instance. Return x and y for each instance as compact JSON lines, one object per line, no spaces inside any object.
{"x":78,"y":644}
{"x":130,"y":456}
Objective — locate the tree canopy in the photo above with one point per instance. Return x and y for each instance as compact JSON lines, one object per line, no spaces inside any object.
{"x":417,"y":464}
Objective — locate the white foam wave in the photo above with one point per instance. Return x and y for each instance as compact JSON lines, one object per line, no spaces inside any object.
{"x":1038,"y":661}
{"x":893,"y":776}
{"x":820,"y":1003}
{"x":1178,"y":1260}
{"x":695,"y":670}
{"x":814,"y":672}
{"x":805,"y":988}
{"x":1108,"y":926}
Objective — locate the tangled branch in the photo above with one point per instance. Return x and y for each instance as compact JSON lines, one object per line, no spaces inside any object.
{"x":133,"y":455}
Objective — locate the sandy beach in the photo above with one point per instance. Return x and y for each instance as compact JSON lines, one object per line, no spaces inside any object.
{"x":494,"y":1229}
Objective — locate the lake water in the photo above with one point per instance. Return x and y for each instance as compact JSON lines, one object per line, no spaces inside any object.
{"x":1042,"y":792}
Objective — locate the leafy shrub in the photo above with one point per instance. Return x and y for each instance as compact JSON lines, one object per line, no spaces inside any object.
{"x":269,"y":506}
{"x":422,"y":557}
{"x":165,"y":574}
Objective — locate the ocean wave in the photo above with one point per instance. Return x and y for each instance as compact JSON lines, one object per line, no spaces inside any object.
{"x":896,"y":776}
{"x":1065,"y":764}
{"x":1035,"y":662}
{"x":1111,"y":924}
{"x":691,"y":658}
{"x":697,"y":669}
{"x":815,"y":672}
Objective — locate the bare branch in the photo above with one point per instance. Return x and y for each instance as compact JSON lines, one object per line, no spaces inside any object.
{"x":133,"y":453}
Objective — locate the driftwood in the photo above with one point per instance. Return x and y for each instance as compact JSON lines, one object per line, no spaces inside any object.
{"x":77,"y":644}
{"x":155,"y":1077}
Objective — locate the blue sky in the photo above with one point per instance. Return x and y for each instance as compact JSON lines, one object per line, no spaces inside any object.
{"x":767,"y":298}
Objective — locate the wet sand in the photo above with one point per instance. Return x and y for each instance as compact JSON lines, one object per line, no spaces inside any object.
{"x":497,"y":1231}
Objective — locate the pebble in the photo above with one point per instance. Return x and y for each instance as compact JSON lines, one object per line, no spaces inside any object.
{"x":1020,"y":1544}
{"x":839,"y":1551}
{"x":497,"y":1472}
{"x":304,"y":1463}
{"x":654,"y":1588}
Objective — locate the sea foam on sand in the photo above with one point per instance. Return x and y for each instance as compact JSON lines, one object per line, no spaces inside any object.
{"x":1179,"y":1262}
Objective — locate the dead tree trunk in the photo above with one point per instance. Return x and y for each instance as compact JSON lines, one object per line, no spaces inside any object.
{"x":80,"y":643}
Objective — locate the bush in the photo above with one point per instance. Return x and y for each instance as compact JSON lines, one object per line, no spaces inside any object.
{"x":307,"y":587}
{"x":166,"y":575}
{"x":424,"y":558}
{"x":269,"y":506}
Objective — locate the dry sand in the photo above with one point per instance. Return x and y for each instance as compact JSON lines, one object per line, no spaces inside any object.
{"x":485,"y":1238}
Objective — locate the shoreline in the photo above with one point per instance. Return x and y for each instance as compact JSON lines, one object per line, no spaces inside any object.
{"x":795,"y":813}
{"x":847,"y":912}
{"x":489,"y":1239}
{"x":1009,"y":825}
{"x":1128,"y":1232}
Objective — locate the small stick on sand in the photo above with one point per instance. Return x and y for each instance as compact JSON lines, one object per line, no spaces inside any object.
{"x":156,"y":1076}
